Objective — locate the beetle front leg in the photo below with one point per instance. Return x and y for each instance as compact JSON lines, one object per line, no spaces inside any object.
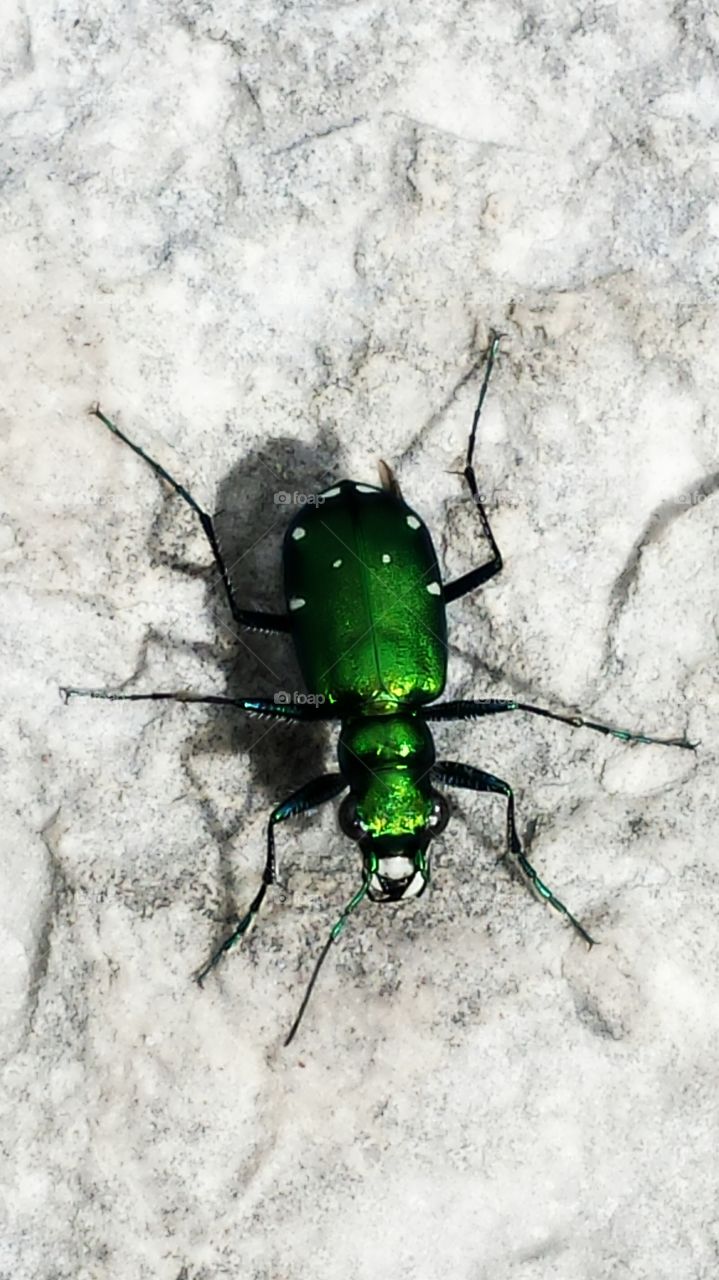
{"x":455,"y":774}
{"x":317,"y":791}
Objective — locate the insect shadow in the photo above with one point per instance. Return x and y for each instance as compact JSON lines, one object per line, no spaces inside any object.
{"x":253,"y":505}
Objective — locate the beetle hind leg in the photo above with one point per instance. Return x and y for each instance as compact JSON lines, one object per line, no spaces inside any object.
{"x":253,"y":619}
{"x":476,"y":577}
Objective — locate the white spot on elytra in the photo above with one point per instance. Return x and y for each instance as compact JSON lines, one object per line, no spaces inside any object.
{"x":336,"y":564}
{"x":297,"y":602}
{"x":365,"y":488}
{"x":413,"y":522}
{"x":331,"y":493}
{"x":298,"y":533}
{"x":434,"y":588}
{"x":386,"y":559}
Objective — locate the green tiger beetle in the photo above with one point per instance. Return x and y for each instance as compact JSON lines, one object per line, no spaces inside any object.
{"x":366,"y":611}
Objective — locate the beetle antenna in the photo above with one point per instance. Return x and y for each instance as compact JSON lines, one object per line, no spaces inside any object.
{"x":334,"y":935}
{"x":308,"y":992}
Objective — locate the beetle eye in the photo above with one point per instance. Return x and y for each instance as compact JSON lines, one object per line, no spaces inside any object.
{"x":349,"y":822}
{"x":439,"y":817}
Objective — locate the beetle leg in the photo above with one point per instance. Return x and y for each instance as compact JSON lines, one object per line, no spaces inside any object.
{"x":476,"y":577}
{"x":472,"y":710}
{"x":313,"y":793}
{"x":455,"y":774}
{"x":250,"y":618}
{"x":255,"y":706}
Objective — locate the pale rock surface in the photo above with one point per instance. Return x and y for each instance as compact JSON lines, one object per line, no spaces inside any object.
{"x":272,"y":240}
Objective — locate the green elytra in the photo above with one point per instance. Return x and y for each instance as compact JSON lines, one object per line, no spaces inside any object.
{"x":369,"y":627}
{"x":366,"y":611}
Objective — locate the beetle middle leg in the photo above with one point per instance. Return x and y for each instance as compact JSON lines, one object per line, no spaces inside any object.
{"x":472,"y":709}
{"x":267,"y":707}
{"x":476,"y":577}
{"x":313,"y":793}
{"x":455,"y":774}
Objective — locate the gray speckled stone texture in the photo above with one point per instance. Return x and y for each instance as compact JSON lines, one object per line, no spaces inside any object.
{"x":272,"y":240}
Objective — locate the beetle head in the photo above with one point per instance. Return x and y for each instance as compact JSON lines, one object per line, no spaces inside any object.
{"x":397,"y":865}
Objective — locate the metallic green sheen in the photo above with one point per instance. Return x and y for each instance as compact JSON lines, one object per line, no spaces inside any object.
{"x":369,"y":745}
{"x":395,"y":804}
{"x":387,"y":762}
{"x":369,"y":634}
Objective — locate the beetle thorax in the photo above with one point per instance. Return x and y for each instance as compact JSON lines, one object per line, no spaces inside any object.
{"x":370,"y":744}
